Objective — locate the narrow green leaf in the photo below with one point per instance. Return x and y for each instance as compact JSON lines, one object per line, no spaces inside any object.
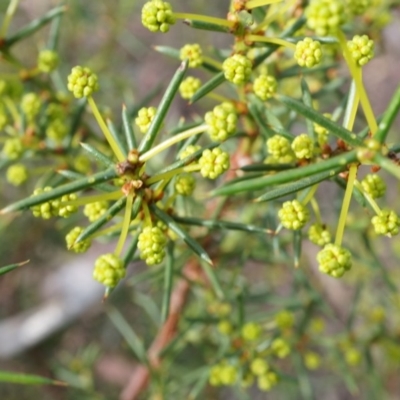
{"x":11,"y":267}
{"x":219,"y":224}
{"x":339,"y":162}
{"x":295,"y":187}
{"x":73,"y":176}
{"x":128,"y":130}
{"x":319,"y":119}
{"x":97,"y":155}
{"x":388,"y":165}
{"x":297,"y":245}
{"x":208,"y":87}
{"x":68,"y":188}
{"x":255,"y":112}
{"x":134,"y":342}
{"x":131,"y":250}
{"x":388,"y":118}
{"x":54,"y":33}
{"x":168,"y":51}
{"x":76,"y":119}
{"x":307,"y":100}
{"x":262,"y":167}
{"x":207,"y":26}
{"x":358,"y":195}
{"x":193,"y":244}
{"x":168,"y":280}
{"x":118,"y":138}
{"x":163,"y":108}
{"x":102,"y":220}
{"x":27,"y":379}
{"x":35,"y":25}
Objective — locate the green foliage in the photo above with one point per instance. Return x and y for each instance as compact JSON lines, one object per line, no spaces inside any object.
{"x":219,"y":205}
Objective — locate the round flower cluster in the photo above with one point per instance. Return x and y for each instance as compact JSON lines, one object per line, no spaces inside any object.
{"x":325,"y":16}
{"x":319,"y":235}
{"x":189,"y":87}
{"x":265,"y":86}
{"x":185,"y":184}
{"x":213,"y":163}
{"x":95,"y":210}
{"x":71,"y":237}
{"x":361,"y":49}
{"x":17,"y":174}
{"x":151,"y":244}
{"x":284,"y":320}
{"x":308,"y":53}
{"x":374,"y":185}
{"x":334,"y":260}
{"x":56,"y":130}
{"x":144,"y":118}
{"x":45,"y":210}
{"x":251,"y":331}
{"x":322,"y":133}
{"x":303,"y":147}
{"x":293,"y":215}
{"x":82,"y":82}
{"x":223,"y":374}
{"x":65,"y":210}
{"x":13,"y":148}
{"x":30,"y":105}
{"x":358,"y":7}
{"x":386,"y":223}
{"x":221,"y":121}
{"x":188,"y":151}
{"x":109,"y":270}
{"x":192,"y":53}
{"x":280,"y":348}
{"x":279,"y":148}
{"x":47,"y":61}
{"x":157,"y":16}
{"x":237,"y":69}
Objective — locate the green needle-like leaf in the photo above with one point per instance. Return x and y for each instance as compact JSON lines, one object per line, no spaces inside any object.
{"x":314,"y":116}
{"x":33,"y":26}
{"x":163,"y":108}
{"x":307,"y":100}
{"x":388,"y":118}
{"x":295,"y":187}
{"x":118,"y":138}
{"x":134,"y":342}
{"x":193,"y":244}
{"x":97,"y":155}
{"x":27,"y":379}
{"x":11,"y":267}
{"x":207,"y":26}
{"x":102,"y":220}
{"x":128,"y":130}
{"x":333,"y":164}
{"x":208,"y":87}
{"x":218,"y":224}
{"x":68,"y":188}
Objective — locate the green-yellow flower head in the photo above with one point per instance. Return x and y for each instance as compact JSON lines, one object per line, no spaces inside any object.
{"x":144,"y":118}
{"x":374,"y":185}
{"x":30,"y":105}
{"x":237,"y":69}
{"x":17,"y":174}
{"x":303,"y":147}
{"x":386,"y":223}
{"x":151,"y":243}
{"x":213,"y":163}
{"x":185,"y":184}
{"x":109,"y":270}
{"x":71,"y":237}
{"x":308,"y":53}
{"x":95,"y":210}
{"x":82,"y":82}
{"x":157,"y":16}
{"x":319,"y":235}
{"x":361,"y":49}
{"x":189,"y":87}
{"x":293,"y":215}
{"x":221,"y":121}
{"x":358,"y":7}
{"x":334,"y":260}
{"x":265,"y":86}
{"x":48,"y":61}
{"x":325,"y":17}
{"x":192,"y":53}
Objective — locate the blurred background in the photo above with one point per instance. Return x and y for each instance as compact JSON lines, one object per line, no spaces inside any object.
{"x":52,"y":319}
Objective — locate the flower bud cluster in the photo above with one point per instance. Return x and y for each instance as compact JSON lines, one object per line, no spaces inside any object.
{"x":151,"y":244}
{"x":221,"y":121}
{"x":308,"y":53}
{"x":157,"y":16}
{"x":237,"y":69}
{"x":334,"y":260}
{"x":109,"y":270}
{"x":361,"y":49}
{"x":144,"y":118}
{"x":192,"y":53}
{"x":293,"y":215}
{"x":265,"y":86}
{"x":213,"y":163}
{"x":82,"y":82}
{"x":79,"y":247}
